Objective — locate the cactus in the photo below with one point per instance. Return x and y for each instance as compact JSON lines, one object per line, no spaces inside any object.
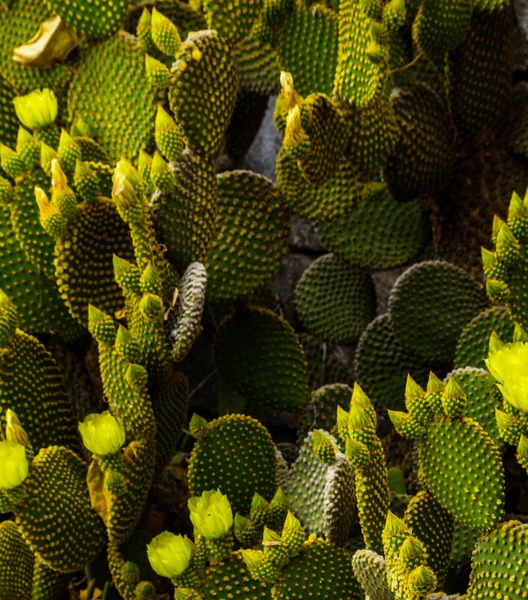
{"x":504,"y":268}
{"x":255,"y":350}
{"x":347,"y":295}
{"x":472,"y":346}
{"x":147,"y":272}
{"x":321,"y":492}
{"x":246,"y":449}
{"x":454,"y":300}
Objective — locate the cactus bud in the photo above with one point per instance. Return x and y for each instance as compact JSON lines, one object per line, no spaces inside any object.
{"x":165,"y":34}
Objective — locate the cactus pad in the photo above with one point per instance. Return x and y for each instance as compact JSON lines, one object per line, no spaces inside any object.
{"x":472,"y":346}
{"x":16,"y":563}
{"x":335,"y":300}
{"x":504,"y":546}
{"x":241,"y":257}
{"x":259,"y":355}
{"x":204,"y":74}
{"x":424,"y":154}
{"x":482,"y":398}
{"x":20,"y":23}
{"x":323,"y":569}
{"x":475,"y":495}
{"x":84,"y":258}
{"x":30,"y":377}
{"x":187,"y":216}
{"x":236,"y":455}
{"x":383,"y":363}
{"x":320,"y":495}
{"x":430,"y":304}
{"x":56,"y":518}
{"x":91,"y":17}
{"x":433,"y":526}
{"x":8,"y":120}
{"x":231,"y":579}
{"x":320,"y":412}
{"x":377,"y":233}
{"x":110,"y":91}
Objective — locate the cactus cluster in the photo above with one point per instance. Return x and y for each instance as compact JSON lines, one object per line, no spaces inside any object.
{"x":173,"y":424}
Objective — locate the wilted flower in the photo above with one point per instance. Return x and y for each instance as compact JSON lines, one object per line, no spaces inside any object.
{"x":36,"y":110}
{"x":13,"y":464}
{"x":508,"y":363}
{"x":170,"y":554}
{"x":102,"y":433}
{"x":211,"y":515}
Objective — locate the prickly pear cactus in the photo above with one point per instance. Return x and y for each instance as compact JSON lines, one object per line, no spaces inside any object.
{"x":233,"y":235}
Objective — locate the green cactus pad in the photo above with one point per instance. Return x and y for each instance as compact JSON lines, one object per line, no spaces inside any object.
{"x":40,"y":309}
{"x":441,"y":26}
{"x":187,"y":217}
{"x":56,"y":518}
{"x":464,"y":540}
{"x":474,"y":496}
{"x":318,"y":203}
{"x":321,"y":568}
{"x":36,"y":243}
{"x":84,"y":255}
{"x":482,"y":398}
{"x":500,"y":563}
{"x":91,"y":17}
{"x":472,"y":347}
{"x":320,"y":412}
{"x":233,"y":22}
{"x":320,"y":495}
{"x":358,"y":78}
{"x":48,"y":583}
{"x":335,"y":300}
{"x":480,"y":72}
{"x":259,"y":355}
{"x":231,"y":579}
{"x":378,"y":233}
{"x":8,"y":120}
{"x":16,"y":563}
{"x":126,"y":503}
{"x":383,"y":363}
{"x":204,"y":75}
{"x":370,"y":570}
{"x":433,"y":526}
{"x":424,"y":155}
{"x":307,"y":48}
{"x":29,"y":377}
{"x":110,"y":91}
{"x":374,"y":134}
{"x":237,"y":456}
{"x":257,"y":66}
{"x":251,"y":235}
{"x":318,"y":134}
{"x":21,"y":22}
{"x":430,"y":304}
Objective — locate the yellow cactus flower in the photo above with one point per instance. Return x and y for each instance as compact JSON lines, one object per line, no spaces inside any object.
{"x":13,"y":464}
{"x":102,"y":433}
{"x":508,"y":363}
{"x":36,"y":110}
{"x":211,"y":515}
{"x":170,"y":554}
